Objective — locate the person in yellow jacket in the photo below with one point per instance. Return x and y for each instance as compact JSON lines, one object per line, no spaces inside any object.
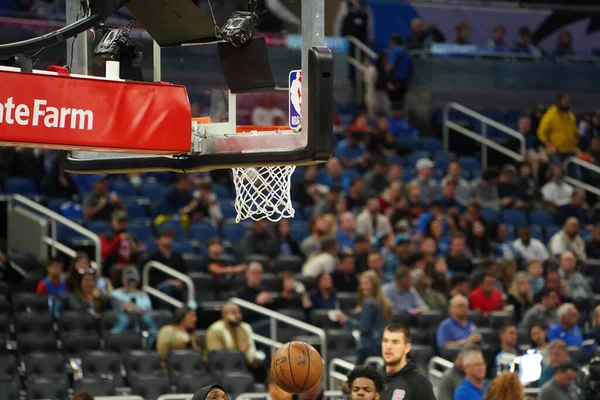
{"x":558,"y":130}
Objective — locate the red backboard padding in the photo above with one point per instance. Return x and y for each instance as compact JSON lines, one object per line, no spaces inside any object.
{"x":77,"y":113}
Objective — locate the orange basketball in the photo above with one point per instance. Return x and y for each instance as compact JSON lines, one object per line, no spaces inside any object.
{"x":297,"y":367}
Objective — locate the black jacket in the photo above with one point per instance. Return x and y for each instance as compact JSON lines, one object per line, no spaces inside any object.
{"x":408,"y":384}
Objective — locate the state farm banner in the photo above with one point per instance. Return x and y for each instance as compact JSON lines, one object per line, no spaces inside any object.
{"x":78,"y":113}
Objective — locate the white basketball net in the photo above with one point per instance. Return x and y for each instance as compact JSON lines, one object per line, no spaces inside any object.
{"x":263,"y":192}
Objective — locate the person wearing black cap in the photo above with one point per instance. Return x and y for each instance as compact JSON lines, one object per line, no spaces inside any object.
{"x":119,"y":247}
{"x":211,"y":392}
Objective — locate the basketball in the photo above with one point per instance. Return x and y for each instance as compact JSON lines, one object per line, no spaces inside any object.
{"x":297,"y":367}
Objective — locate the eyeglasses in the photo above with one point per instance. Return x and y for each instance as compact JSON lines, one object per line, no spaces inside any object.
{"x":86,"y":271}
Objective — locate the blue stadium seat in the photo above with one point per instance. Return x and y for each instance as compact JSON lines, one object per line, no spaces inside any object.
{"x":298,"y":174}
{"x":24,"y":186}
{"x":542,"y":218}
{"x":407,"y":142}
{"x":142,"y":232}
{"x":441,"y":159}
{"x":183,"y":248}
{"x":299,"y":230}
{"x":134,"y":210}
{"x":124,"y":189}
{"x":514,"y":217}
{"x":68,"y":235}
{"x":174,"y":226}
{"x":431,"y":145}
{"x":512,"y":116}
{"x":408,"y":175}
{"x":551,"y":231}
{"x":202,"y":232}
{"x":490,"y":215}
{"x":469,"y":163}
{"x":227,"y":209}
{"x":232,"y":232}
{"x":98,"y":227}
{"x":394,"y":159}
{"x":538,"y":233}
{"x":494,"y":114}
{"x":411,"y":160}
{"x":221,"y":192}
{"x":153,"y":190}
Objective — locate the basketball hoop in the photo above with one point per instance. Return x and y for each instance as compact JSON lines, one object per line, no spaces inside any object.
{"x":263,"y":192}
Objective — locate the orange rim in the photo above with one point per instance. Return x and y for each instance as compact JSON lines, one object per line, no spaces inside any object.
{"x":245,"y":128}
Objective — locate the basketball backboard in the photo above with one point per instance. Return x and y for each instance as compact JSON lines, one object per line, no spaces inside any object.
{"x":184,"y":31}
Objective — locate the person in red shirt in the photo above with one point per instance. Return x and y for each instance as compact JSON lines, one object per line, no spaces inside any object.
{"x":119,"y":247}
{"x":486,"y":297}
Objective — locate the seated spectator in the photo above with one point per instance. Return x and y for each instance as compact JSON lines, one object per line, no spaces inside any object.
{"x":457,"y":259}
{"x":132,"y":304}
{"x":352,"y":151}
{"x":318,"y":231}
{"x":287,"y":245}
{"x":355,"y":201}
{"x":99,"y":204}
{"x":485,"y":189}
{"x":568,"y":238}
{"x":435,"y":212}
{"x":119,"y":247}
{"x":254,"y":291}
{"x":462,"y":33}
{"x":430,"y":189}
{"x":576,"y":283}
{"x":421,"y":35}
{"x":53,"y":284}
{"x":577,"y":208}
{"x":164,"y":254}
{"x":463,"y":193}
{"x":292,"y":294}
{"x":535,"y":270}
{"x":566,"y":328}
{"x":544,"y":312}
{"x":507,"y":270}
{"x":433,"y":299}
{"x":305,"y":190}
{"x":592,"y":247}
{"x":79,"y":264}
{"x":323,"y":261}
{"x":539,"y":340}
{"x":403,"y":296}
{"x":526,"y":184}
{"x":438,"y":272}
{"x":428,"y":248}
{"x":325,"y":203}
{"x":371,"y":223}
{"x":58,"y":184}
{"x":595,"y":334}
{"x":558,"y":353}
{"x":231,"y":333}
{"x":344,"y":278}
{"x":376,"y":180}
{"x":508,"y":191}
{"x":553,"y":281}
{"x":448,"y":200}
{"x":497,"y":42}
{"x":373,"y":312}
{"x":390,"y":196}
{"x":87,"y":297}
{"x":561,"y":385}
{"x":454,"y":376}
{"x":178,"y":335}
{"x":259,"y":241}
{"x":333,"y":176}
{"x":524,"y":44}
{"x":401,"y":254}
{"x":564,"y":45}
{"x":362,"y":246}
{"x":557,"y":192}
{"x":411,"y":206}
{"x":508,"y":345}
{"x":208,"y":207}
{"x":474,"y":385}
{"x":178,"y":200}
{"x":529,"y":248}
{"x":346,"y":232}
{"x":375,"y":263}
{"x":486,"y":297}
{"x":459,"y":284}
{"x":323,"y":296}
{"x":479,"y":241}
{"x":222,"y":274}
{"x":457,"y":330}
{"x":520,"y":296}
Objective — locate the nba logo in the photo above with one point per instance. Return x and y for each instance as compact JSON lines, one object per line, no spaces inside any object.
{"x":398,"y":394}
{"x":295,"y":99}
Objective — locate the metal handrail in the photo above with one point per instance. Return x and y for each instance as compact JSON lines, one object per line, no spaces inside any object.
{"x":276,"y":316}
{"x":191,"y":292}
{"x":335,"y":375}
{"x":363,"y":47}
{"x":485,"y":142}
{"x":445,"y":364}
{"x":577,"y":182}
{"x":54,"y":218}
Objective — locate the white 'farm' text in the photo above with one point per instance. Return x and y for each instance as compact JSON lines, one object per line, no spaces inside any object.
{"x":43,"y":115}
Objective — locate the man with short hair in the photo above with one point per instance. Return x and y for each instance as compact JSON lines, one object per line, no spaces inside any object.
{"x":474,"y":385}
{"x":463,"y":188}
{"x":508,"y":343}
{"x":568,"y":238}
{"x":453,"y":377}
{"x":561,"y":386}
{"x":254,"y":291}
{"x":529,"y":248}
{"x":486,"y":298}
{"x":99,"y":204}
{"x":370,"y":222}
{"x":456,"y":258}
{"x":164,"y":254}
{"x":558,"y":353}
{"x":404,"y":380}
{"x":402,"y":251}
{"x":402,"y":294}
{"x":557,"y":192}
{"x":260,"y":241}
{"x":566,"y":328}
{"x":53,"y":284}
{"x":457,"y":330}
{"x":430,"y":188}
{"x":433,"y":299}
{"x":324,"y":261}
{"x":574,"y":281}
{"x":544,"y":312}
{"x":365,"y":383}
{"x":344,"y":279}
{"x":346,"y":232}
{"x":375,"y":263}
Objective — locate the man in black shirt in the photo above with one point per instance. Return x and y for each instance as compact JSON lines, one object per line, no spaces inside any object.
{"x":456,"y":259}
{"x":344,"y":279}
{"x":165,"y":255}
{"x":221,"y":272}
{"x":405,"y":382}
